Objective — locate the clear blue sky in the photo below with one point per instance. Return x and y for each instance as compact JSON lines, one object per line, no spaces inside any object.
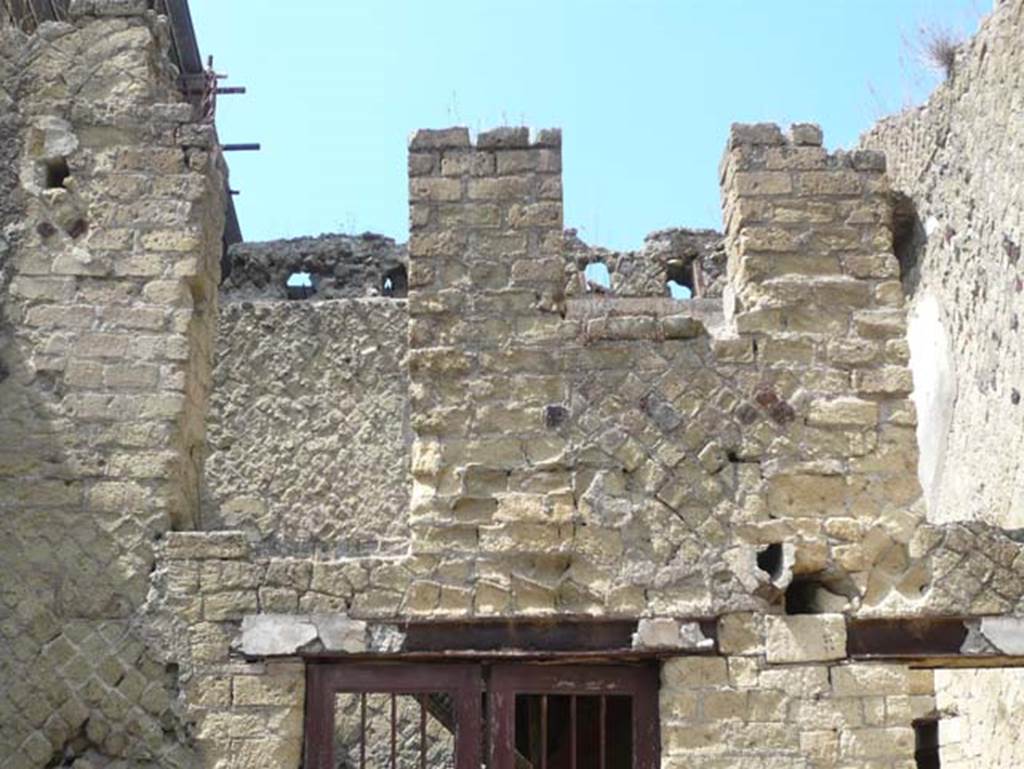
{"x":644,"y":91}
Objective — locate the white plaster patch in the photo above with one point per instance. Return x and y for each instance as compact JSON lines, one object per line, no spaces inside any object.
{"x":934,"y":372}
{"x":268,"y":634}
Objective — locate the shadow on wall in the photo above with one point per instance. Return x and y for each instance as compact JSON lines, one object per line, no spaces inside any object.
{"x":908,"y":241}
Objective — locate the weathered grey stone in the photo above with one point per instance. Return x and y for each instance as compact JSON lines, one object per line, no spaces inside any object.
{"x":80,"y":8}
{"x":338,"y":633}
{"x":668,"y":633}
{"x":426,"y":139}
{"x":806,"y":134}
{"x":276,"y":634}
{"x":504,"y":138}
{"x":205,"y":545}
{"x":755,"y":133}
{"x":659,"y":632}
{"x":338,"y":266}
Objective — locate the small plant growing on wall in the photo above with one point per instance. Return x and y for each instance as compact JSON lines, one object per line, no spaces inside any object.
{"x":939,"y":46}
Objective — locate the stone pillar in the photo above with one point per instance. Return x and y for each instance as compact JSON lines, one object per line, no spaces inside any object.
{"x":485,"y":277}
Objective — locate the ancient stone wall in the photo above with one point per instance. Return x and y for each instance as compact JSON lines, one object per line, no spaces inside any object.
{"x":337,"y":266}
{"x":727,"y":712}
{"x":308,"y":427}
{"x":112,"y":217}
{"x":643,"y":450}
{"x":670,"y":254}
{"x":959,"y":161}
{"x":735,"y":475}
{"x":981,"y":711}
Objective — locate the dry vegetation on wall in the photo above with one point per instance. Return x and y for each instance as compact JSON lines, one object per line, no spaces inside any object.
{"x":940,"y":49}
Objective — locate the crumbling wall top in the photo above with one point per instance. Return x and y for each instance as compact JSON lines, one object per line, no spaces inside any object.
{"x":335,"y":266}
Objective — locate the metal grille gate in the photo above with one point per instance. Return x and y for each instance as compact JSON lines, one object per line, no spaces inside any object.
{"x":454,"y":716}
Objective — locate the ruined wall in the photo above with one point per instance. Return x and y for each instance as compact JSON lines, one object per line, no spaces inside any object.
{"x":571,"y":455}
{"x":669,"y":254}
{"x":960,"y":159}
{"x":630,"y":455}
{"x":308,"y":426}
{"x":112,"y":218}
{"x":338,"y":265}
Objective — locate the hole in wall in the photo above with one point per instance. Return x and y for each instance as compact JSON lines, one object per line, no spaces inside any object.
{"x":300,"y":285}
{"x":597,"y":277}
{"x":814,"y":595}
{"x":926,"y":743}
{"x":57,"y":171}
{"x":395,"y":282}
{"x":78,"y":228}
{"x":555,"y":415}
{"x":679,"y":280}
{"x":769,"y":560}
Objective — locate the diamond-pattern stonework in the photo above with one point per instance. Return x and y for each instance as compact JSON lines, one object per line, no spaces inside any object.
{"x":326,"y":380}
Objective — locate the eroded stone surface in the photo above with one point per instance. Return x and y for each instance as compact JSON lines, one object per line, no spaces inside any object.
{"x":500,"y":445}
{"x":805,"y":638}
{"x":308,"y":425}
{"x":962,"y":235}
{"x":337,"y":265}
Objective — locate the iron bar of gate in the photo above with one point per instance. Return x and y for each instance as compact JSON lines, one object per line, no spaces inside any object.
{"x":601,"y":729}
{"x":544,"y":731}
{"x":572,"y":732}
{"x":394,"y":729}
{"x":423,"y":732}
{"x":362,"y":730}
{"x":33,"y":11}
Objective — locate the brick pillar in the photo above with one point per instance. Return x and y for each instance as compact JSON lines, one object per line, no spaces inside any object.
{"x":485,"y":274}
